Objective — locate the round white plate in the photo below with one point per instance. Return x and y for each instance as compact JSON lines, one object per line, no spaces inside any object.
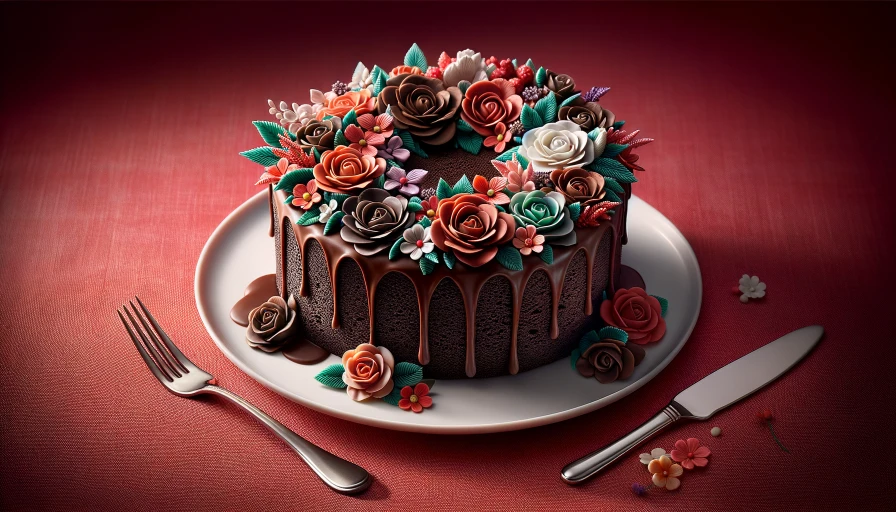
{"x":240,"y":250}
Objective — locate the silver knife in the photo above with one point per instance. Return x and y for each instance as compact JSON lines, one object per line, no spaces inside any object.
{"x":713,"y":393}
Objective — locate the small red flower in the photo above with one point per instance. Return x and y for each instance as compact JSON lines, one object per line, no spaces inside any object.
{"x":362,"y":141}
{"x":689,"y":453}
{"x":491,"y":190}
{"x":304,"y":196}
{"x":430,"y":208}
{"x":499,"y":139}
{"x":764,"y":415}
{"x":415,"y":399}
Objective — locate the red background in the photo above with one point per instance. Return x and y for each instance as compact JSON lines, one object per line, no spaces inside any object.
{"x":120,"y":131}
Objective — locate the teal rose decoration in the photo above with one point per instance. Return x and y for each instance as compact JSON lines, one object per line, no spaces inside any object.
{"x":547,"y":212}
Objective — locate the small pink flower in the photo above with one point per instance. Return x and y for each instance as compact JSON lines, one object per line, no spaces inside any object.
{"x":362,"y":141}
{"x":430,"y":208}
{"x":499,"y":139}
{"x":273,"y":173}
{"x":415,"y":399}
{"x":406,"y":183}
{"x":380,"y":125}
{"x":527,"y":241}
{"x":518,"y":179}
{"x":491,"y":190}
{"x":689,"y":453}
{"x":394,"y":151}
{"x":304,"y":196}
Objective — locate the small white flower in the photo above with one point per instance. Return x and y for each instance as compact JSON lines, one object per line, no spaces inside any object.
{"x":656,"y":453}
{"x":469,"y":66}
{"x":417,"y":242}
{"x":327,"y":211}
{"x":293,"y":116}
{"x":751,"y":288}
{"x":361,"y":78}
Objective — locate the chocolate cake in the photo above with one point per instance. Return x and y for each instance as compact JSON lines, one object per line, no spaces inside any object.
{"x":468,"y":217}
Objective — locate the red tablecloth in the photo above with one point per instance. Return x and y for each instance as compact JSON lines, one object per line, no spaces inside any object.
{"x":120,"y":132}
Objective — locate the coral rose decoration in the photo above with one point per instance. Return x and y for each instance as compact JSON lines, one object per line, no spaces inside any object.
{"x":471,"y":228}
{"x":345,"y":170}
{"x":359,"y":101}
{"x":486,"y":104}
{"x":636,"y":313}
{"x":368,"y":372}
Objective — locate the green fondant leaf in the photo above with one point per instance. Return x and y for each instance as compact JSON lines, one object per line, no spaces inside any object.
{"x":463,"y":85}
{"x":501,"y":208}
{"x":664,"y":304}
{"x":425,"y":222}
{"x":613,"y":150}
{"x":414,"y":207}
{"x":576,"y":354}
{"x":541,"y":76}
{"x":310,"y":217}
{"x":530,"y":64}
{"x":449,"y":259}
{"x":395,"y":250}
{"x":270,"y":132}
{"x":490,"y":69}
{"x":263,"y":155}
{"x":432,"y":256}
{"x":471,"y":142}
{"x":426,"y":266}
{"x":613,"y":333}
{"x":463,"y":186}
{"x":415,"y":57}
{"x":510,"y":258}
{"x":328,"y":196}
{"x":380,"y":181}
{"x":546,"y":254}
{"x":331,"y":376}
{"x":587,"y":340}
{"x":295,"y":177}
{"x":612,"y":184}
{"x":406,"y":374}
{"x":547,"y":108}
{"x":339,"y":139}
{"x":515,"y":64}
{"x":350,"y":118}
{"x":618,"y":124}
{"x":575,"y":209}
{"x":379,"y":84}
{"x":610,"y":168}
{"x":414,"y":199}
{"x":571,"y":99}
{"x":334,"y":223}
{"x":443,"y":190}
{"x":316,"y":154}
{"x":408,"y":142}
{"x":463,"y":125}
{"x":530,"y":118}
{"x":393,"y":397}
{"x":592,"y":135}
{"x":507,"y":155}
{"x":611,"y":196}
{"x":289,"y":199}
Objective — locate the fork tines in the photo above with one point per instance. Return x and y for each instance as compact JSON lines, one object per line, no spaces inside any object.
{"x":158,"y":351}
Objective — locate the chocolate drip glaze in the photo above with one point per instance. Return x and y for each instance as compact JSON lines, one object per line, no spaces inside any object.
{"x":467,"y":280}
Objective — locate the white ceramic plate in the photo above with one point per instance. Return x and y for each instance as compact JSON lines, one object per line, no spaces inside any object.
{"x":240,"y":250}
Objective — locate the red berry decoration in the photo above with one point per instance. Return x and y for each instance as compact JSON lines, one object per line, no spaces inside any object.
{"x":526,"y":75}
{"x":444,"y":60}
{"x":517,"y":84}
{"x":504,"y":70}
{"x":434,"y":72}
{"x":491,"y":60}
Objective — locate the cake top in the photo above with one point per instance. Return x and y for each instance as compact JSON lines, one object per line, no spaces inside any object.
{"x":559,"y":160}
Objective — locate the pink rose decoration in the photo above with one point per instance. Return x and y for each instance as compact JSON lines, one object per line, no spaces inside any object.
{"x":689,"y":453}
{"x":518,"y":179}
{"x":368,"y":372}
{"x":636,"y":313}
{"x":488,"y":103}
{"x":527,"y":241}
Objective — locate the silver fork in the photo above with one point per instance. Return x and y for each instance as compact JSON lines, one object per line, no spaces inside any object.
{"x":183,"y":378}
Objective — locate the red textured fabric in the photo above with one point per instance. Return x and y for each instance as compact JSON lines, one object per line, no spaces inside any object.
{"x":118,"y":150}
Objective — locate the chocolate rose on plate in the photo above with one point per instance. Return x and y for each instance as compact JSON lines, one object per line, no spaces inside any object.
{"x":345,"y":170}
{"x":368,"y":372}
{"x":589,"y":115}
{"x":636,"y":313}
{"x":374,"y":219}
{"x":318,"y":134}
{"x":272,"y":324}
{"x":559,"y":145}
{"x":471,"y":228}
{"x":609,"y":360}
{"x":547,"y":212}
{"x":561,"y":85}
{"x":488,"y":103}
{"x":579,"y":185}
{"x":421,"y":105}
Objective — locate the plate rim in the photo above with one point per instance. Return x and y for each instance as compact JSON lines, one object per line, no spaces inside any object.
{"x":505,"y":426}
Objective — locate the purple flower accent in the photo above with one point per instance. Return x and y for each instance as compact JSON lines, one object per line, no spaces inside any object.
{"x":406,"y":183}
{"x":639,"y":489}
{"x":595,"y":93}
{"x":394,"y":151}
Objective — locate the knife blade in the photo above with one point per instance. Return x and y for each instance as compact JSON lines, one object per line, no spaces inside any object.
{"x":707,"y":396}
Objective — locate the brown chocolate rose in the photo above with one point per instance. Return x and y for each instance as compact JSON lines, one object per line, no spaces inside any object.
{"x":562,"y":85}
{"x":421,"y":105}
{"x":636,"y":313}
{"x":318,"y":134}
{"x":345,"y":170}
{"x":488,"y":103}
{"x":368,"y":372}
{"x":589,"y":115}
{"x":374,"y":219}
{"x":471,"y":228}
{"x":579,"y":185}
{"x":609,"y":360}
{"x":272,"y":324}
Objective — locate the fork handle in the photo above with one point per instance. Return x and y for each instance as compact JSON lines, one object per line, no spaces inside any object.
{"x":340,"y":474}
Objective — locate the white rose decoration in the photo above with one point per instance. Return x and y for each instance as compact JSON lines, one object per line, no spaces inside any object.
{"x":469,"y":66}
{"x":558,"y":146}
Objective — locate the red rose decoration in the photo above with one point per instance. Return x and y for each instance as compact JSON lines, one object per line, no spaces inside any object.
{"x":471,"y":228}
{"x":487,"y":103}
{"x":636,"y":313}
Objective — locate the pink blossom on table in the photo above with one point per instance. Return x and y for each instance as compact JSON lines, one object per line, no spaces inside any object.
{"x":394,"y":150}
{"x":304,"y":196}
{"x":499,"y":139}
{"x":527,"y":241}
{"x":362,"y":141}
{"x":415,"y":399}
{"x":381,"y":124}
{"x":430,"y":208}
{"x":406,"y":182}
{"x":665,"y":473}
{"x":273,"y":173}
{"x":491,"y":190}
{"x":518,"y":179}
{"x":689,"y":453}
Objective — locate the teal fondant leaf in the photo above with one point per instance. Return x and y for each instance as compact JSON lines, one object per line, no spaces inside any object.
{"x":432,"y":256}
{"x":328,"y":196}
{"x":334,"y":223}
{"x":310,"y":217}
{"x":408,"y":142}
{"x":393,"y":397}
{"x":395,"y":250}
{"x":613,"y":333}
{"x":379,"y":84}
{"x":463,"y":125}
{"x":289,"y":199}
{"x":510,"y":258}
{"x":415,"y":57}
{"x":449,"y":259}
{"x":316,"y":154}
{"x":263,"y":155}
{"x":547,"y":108}
{"x":270,"y":132}
{"x":611,"y":196}
{"x":507,"y":155}
{"x":490,"y":69}
{"x":406,"y":374}
{"x":571,"y":99}
{"x":575,"y":209}
{"x":380,"y":181}
{"x":339,"y":139}
{"x":426,"y":266}
{"x":610,"y":168}
{"x":664,"y":304}
{"x":295,"y":177}
{"x":530,"y":65}
{"x":574,"y":357}
{"x":443,"y":190}
{"x":618,"y":124}
{"x":541,"y":76}
{"x":463,"y":186}
{"x":350,"y":118}
{"x":613,"y":150}
{"x":331,"y":376}
{"x":587,"y":340}
{"x":463,"y":85}
{"x":414,"y":207}
{"x":471,"y":142}
{"x":530,"y":118}
{"x":414,"y":199}
{"x":425,"y":222}
{"x":546,"y":254}
{"x":612,"y":184}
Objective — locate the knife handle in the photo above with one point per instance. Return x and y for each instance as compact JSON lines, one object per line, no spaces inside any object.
{"x":589,"y":465}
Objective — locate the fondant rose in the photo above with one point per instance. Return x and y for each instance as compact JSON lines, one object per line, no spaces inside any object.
{"x":368,"y":372}
{"x":405,"y":70}
{"x":359,"y":101}
{"x":421,"y":105}
{"x":557,"y":146}
{"x":562,"y":85}
{"x":318,"y":134}
{"x":579,"y":185}
{"x":271,"y":325}
{"x":587,"y":115}
{"x":636,"y":313}
{"x":469,"y":66}
{"x":345,"y":170}
{"x":486,"y":104}
{"x":609,"y":360}
{"x":471,"y":228}
{"x":547,"y":212}
{"x":374,"y":219}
